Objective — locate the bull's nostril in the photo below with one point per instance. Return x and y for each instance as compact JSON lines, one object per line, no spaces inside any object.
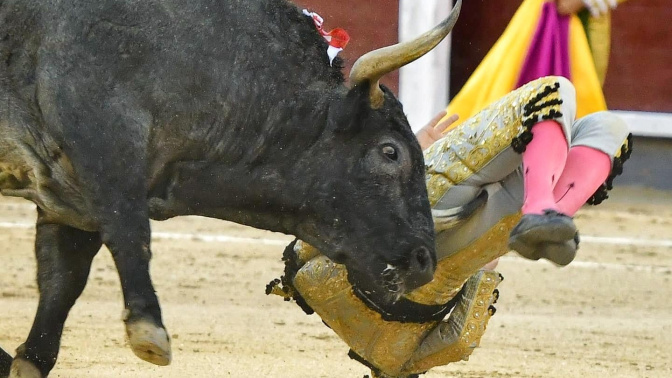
{"x":423,"y":258}
{"x":421,"y":268}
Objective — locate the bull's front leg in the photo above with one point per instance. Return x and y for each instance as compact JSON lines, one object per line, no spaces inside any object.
{"x":64,"y":256}
{"x":128,"y":239}
{"x":104,"y":144}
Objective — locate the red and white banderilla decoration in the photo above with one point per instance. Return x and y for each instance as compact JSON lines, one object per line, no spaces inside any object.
{"x":336,"y":38}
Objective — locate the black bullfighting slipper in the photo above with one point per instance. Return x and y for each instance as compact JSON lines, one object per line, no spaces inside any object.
{"x":560,"y":253}
{"x":551,"y":235}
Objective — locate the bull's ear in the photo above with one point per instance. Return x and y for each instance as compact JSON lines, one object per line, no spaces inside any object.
{"x":349,"y":113}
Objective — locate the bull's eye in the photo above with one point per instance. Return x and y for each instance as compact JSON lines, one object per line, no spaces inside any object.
{"x":390,"y":152}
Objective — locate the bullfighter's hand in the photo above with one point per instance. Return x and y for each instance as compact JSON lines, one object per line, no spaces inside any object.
{"x":433,"y":131}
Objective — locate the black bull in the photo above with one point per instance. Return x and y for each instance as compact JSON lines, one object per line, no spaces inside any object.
{"x":115,"y":112}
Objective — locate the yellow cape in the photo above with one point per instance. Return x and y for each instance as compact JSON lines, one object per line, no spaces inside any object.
{"x":498,"y":72}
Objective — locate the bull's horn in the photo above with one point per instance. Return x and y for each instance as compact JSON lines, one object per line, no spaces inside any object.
{"x":374,"y":64}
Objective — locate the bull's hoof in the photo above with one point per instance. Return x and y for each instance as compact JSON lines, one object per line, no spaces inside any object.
{"x":22,"y":368}
{"x":149,"y":342}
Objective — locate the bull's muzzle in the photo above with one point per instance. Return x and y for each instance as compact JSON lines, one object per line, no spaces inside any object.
{"x":420,"y":271}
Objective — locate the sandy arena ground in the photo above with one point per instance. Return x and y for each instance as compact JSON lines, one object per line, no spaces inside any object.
{"x":608,"y":315}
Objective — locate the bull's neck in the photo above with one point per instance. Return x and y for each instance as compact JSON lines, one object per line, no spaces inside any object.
{"x":259,"y":174}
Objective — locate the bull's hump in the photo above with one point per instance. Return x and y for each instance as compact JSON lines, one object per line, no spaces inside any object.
{"x":201,"y":48}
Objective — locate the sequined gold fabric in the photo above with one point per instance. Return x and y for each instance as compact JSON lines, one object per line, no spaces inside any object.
{"x":305,"y":251}
{"x":388,"y":345}
{"x":467,"y":148}
{"x":452,"y":271}
{"x":457,"y":337}
{"x":599,"y":31}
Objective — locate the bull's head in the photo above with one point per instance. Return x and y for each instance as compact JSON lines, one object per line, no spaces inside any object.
{"x":378,"y":221}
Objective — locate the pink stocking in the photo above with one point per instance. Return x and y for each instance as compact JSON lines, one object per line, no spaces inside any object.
{"x":543,"y":162}
{"x":586,"y":169}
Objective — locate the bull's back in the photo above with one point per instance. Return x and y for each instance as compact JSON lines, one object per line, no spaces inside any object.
{"x":190,"y":49}
{"x":167,"y":53}
{"x":195,"y":60}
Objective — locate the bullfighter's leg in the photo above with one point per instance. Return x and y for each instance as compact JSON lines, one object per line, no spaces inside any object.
{"x":64,"y":256}
{"x":597,"y":139}
{"x":486,"y":151}
{"x":543,"y":222}
{"x":478,"y":155}
{"x":597,"y":143}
